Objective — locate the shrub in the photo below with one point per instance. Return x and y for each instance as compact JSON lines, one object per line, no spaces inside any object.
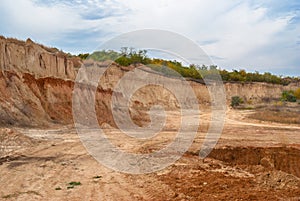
{"x":297,"y":93}
{"x":236,"y":101}
{"x":123,"y":61}
{"x":129,"y":56}
{"x":288,"y":96}
{"x":291,"y":98}
{"x":104,"y":55}
{"x":83,"y":56}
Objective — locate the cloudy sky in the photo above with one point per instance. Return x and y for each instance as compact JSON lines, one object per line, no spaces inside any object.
{"x":261,"y":35}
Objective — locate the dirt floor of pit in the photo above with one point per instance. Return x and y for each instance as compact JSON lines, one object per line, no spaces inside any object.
{"x":252,"y":161}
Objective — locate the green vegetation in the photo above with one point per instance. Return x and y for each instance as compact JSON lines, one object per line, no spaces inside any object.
{"x":58,"y":188}
{"x":73,"y":184}
{"x":101,"y":55}
{"x":130,"y":56}
{"x":104,"y":55}
{"x":236,"y":101}
{"x":288,"y":96}
{"x":243,"y":76}
{"x":83,"y":56}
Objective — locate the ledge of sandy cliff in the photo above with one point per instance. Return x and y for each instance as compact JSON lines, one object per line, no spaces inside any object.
{"x":38,"y":60}
{"x":36,"y":85}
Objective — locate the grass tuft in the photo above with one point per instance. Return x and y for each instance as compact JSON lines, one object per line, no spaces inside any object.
{"x":73,"y":184}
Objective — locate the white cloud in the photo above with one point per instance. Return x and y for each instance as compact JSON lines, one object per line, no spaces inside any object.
{"x":240,"y":33}
{"x":243,"y":30}
{"x":41,"y":22}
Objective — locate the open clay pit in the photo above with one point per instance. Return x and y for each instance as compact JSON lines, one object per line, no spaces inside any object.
{"x":258,"y":167}
{"x":43,"y":158}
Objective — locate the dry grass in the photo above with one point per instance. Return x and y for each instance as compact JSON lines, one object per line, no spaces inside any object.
{"x":279,"y":116}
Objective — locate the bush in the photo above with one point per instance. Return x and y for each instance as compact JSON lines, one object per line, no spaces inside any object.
{"x":132,"y":57}
{"x":123,"y":61}
{"x":297,"y":93}
{"x":292,"y":98}
{"x":288,"y":96}
{"x":129,"y":56}
{"x":83,"y":56}
{"x":236,"y":101}
{"x":104,"y":55}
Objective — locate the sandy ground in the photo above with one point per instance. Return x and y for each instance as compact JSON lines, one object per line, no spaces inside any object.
{"x":252,"y":161}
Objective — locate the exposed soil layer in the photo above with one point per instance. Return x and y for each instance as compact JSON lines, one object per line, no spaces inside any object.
{"x":234,"y":170}
{"x":43,"y":159}
{"x":12,"y":140}
{"x":285,"y":159}
{"x":44,"y":173}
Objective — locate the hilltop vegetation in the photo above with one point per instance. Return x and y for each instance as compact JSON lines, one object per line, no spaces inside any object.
{"x":130,"y":56}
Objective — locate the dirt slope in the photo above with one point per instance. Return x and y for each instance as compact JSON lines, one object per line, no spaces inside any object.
{"x":36,"y":84}
{"x":252,"y":160}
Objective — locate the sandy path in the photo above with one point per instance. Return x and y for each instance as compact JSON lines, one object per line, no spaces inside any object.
{"x":43,"y":172}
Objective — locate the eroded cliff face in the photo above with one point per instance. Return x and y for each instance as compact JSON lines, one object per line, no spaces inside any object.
{"x":36,"y":85}
{"x":257,"y":92}
{"x":28,"y":57}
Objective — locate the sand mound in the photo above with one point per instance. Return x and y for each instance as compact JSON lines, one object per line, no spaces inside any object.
{"x":12,"y":140}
